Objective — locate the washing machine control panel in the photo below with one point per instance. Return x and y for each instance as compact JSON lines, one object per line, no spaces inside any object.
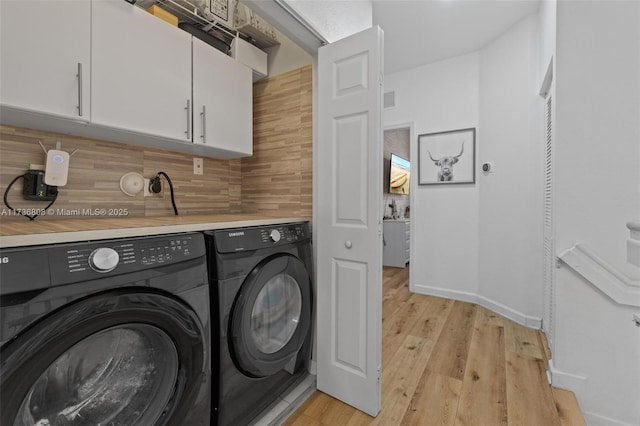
{"x":243,"y":239}
{"x":165,"y":251}
{"x":286,"y":233}
{"x":275,"y":235}
{"x":84,"y":260}
{"x":104,"y":259}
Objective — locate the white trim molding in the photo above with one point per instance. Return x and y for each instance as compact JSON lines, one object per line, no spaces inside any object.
{"x":634,"y":228}
{"x":604,"y":276}
{"x":561,"y":379}
{"x":579,"y":386}
{"x":485,"y":302}
{"x":594,"y":419}
{"x":633,"y":243}
{"x":633,"y":251}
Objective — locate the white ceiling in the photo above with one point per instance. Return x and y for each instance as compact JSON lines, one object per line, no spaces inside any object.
{"x":418,"y":32}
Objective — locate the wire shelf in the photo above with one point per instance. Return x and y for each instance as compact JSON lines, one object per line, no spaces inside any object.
{"x":191,"y":16}
{"x":251,"y":28}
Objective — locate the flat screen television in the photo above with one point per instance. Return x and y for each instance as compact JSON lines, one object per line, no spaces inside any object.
{"x":399,"y":174}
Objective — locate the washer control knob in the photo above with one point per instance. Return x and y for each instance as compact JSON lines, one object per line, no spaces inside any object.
{"x":104,"y":259}
{"x":275,"y":235}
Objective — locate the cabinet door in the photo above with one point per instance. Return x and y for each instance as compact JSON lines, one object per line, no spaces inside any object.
{"x":407,"y":240}
{"x":43,"y":46}
{"x":141,"y":77}
{"x":223,"y":102}
{"x":396,"y":243}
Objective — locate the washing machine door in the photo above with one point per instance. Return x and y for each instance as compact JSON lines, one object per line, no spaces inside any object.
{"x":271,"y":316}
{"x":119,"y":358}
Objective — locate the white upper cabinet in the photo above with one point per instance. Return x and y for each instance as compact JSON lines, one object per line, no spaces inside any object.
{"x":45,"y":57}
{"x":110,"y":70}
{"x":141,"y":72}
{"x":223,"y":102}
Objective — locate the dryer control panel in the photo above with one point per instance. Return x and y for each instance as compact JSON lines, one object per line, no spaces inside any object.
{"x":254,"y":238}
{"x":84,"y":261}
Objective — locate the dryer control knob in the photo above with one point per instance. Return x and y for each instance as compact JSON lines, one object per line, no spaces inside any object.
{"x":104,"y":259}
{"x":275,"y":235}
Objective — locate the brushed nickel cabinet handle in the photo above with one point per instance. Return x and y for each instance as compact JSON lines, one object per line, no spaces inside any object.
{"x":203,"y":114}
{"x":79,"y":75}
{"x":188,"y":109}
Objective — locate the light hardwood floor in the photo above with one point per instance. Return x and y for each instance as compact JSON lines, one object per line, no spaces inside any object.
{"x":450,"y":363}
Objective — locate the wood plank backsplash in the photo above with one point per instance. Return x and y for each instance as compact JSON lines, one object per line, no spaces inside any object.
{"x":277,"y":179}
{"x":96,"y":168}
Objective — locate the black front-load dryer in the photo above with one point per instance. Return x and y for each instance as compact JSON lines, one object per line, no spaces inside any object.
{"x":112,"y":332}
{"x":262,"y":312}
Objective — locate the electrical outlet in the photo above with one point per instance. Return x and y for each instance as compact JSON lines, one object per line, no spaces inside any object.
{"x":34,"y":187}
{"x":198,"y":167}
{"x":148,"y":193}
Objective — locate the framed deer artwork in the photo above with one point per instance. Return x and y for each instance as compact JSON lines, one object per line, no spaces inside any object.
{"x":446,"y":158}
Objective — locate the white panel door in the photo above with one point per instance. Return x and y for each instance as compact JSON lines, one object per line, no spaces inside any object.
{"x":223,"y":102}
{"x":349,"y":219}
{"x":45,"y":56}
{"x":141,"y":72}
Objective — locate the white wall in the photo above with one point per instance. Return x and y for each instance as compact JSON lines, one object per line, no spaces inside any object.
{"x":597,"y":352}
{"x":286,"y":56}
{"x":597,"y":192}
{"x":547,"y":24}
{"x":598,"y":126}
{"x":334,"y":20}
{"x":510,"y":199}
{"x":444,"y":219}
{"x":481,"y":242}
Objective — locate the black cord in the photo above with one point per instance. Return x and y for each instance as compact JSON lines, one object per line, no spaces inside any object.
{"x":173,"y":201}
{"x":6,"y":201}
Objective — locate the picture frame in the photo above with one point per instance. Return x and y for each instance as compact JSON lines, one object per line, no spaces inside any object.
{"x":447,"y":158}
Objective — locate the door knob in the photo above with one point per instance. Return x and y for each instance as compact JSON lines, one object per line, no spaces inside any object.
{"x":348,"y":244}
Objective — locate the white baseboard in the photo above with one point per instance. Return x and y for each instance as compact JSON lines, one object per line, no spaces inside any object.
{"x":573,"y":382}
{"x":578,"y":385}
{"x":592,"y":419}
{"x":512,"y":314}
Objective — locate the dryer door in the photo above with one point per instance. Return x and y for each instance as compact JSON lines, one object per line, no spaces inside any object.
{"x":271,"y":316}
{"x":118,"y":358}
